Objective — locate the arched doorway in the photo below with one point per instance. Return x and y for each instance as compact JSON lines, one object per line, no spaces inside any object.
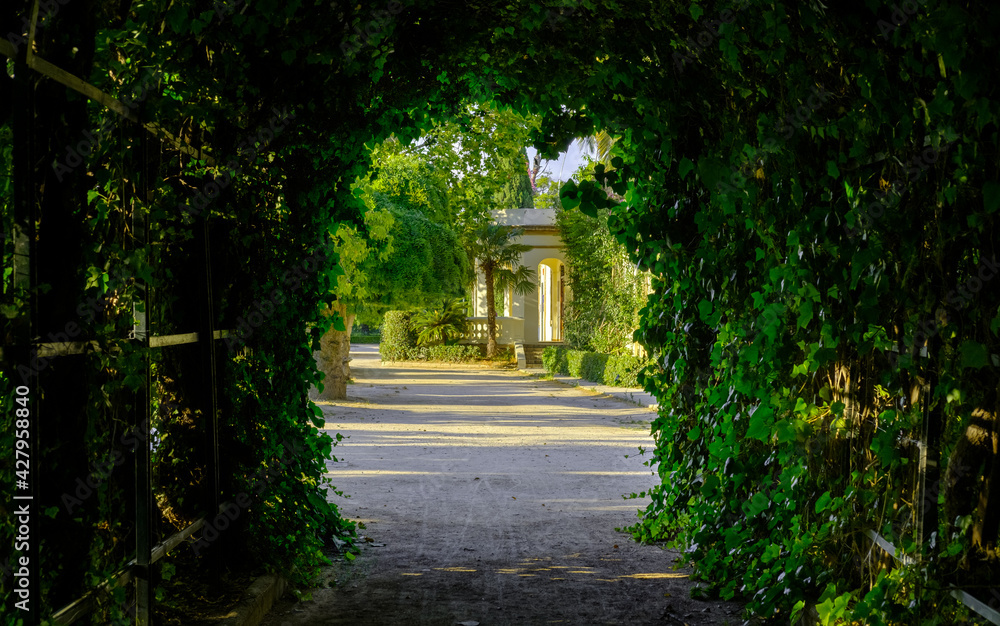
{"x":551,"y":297}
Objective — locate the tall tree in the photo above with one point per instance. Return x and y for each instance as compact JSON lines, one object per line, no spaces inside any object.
{"x":406,"y":255}
{"x":498,"y":255}
{"x":516,"y":190}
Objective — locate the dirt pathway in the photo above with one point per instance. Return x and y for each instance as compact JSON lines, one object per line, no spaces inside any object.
{"x":492,"y":498}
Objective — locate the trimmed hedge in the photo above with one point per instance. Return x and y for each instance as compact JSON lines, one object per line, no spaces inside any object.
{"x":450,"y":354}
{"x":366,"y":338}
{"x":398,"y":337}
{"x":616,"y":371}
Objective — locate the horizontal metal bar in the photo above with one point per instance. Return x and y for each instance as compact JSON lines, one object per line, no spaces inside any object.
{"x":81,"y":607}
{"x":108,"y":101}
{"x":890,"y":549}
{"x":60,"y":75}
{"x":162,"y":341}
{"x":174,"y":540}
{"x":50,"y":350}
{"x":66,"y":348}
{"x":962,"y":596}
{"x":977,"y":605}
{"x":176,"y":340}
{"x":84,"y":605}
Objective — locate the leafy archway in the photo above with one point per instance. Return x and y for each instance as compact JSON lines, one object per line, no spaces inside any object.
{"x":813,"y":188}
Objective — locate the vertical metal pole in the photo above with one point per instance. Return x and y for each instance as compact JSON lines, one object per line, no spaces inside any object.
{"x":206,"y":341}
{"x":144,"y":506}
{"x":929,"y":471}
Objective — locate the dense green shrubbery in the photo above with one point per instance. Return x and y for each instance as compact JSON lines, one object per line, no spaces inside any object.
{"x":608,"y":289}
{"x":366,"y":338}
{"x":445,"y":324}
{"x":615,"y":370}
{"x":462,"y":353}
{"x":397,"y":336}
{"x":399,"y":343}
{"x":454,"y":354}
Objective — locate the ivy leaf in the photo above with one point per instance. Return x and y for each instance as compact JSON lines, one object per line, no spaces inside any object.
{"x":823,"y":503}
{"x":785,"y":431}
{"x":684,"y":167}
{"x":991,"y":197}
{"x":771,"y":552}
{"x":805,"y":313}
{"x":758,"y":504}
{"x":569,"y":195}
{"x":760,"y":424}
{"x":973,"y":354}
{"x":711,"y":485}
{"x":705,"y":309}
{"x":338,"y":323}
{"x":178,"y":19}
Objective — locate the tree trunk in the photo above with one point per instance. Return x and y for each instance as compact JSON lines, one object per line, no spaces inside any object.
{"x":334,"y":357}
{"x":491,"y":314}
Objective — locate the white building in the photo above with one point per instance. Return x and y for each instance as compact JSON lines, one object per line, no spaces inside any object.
{"x":533,"y":321}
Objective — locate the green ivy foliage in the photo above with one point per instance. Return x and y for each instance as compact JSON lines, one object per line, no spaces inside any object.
{"x":608,"y":289}
{"x":812,"y":186}
{"x":816,"y":201}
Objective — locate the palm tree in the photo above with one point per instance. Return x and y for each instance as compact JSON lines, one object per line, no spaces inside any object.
{"x":599,"y":144}
{"x":444,"y":325}
{"x":498,"y":255}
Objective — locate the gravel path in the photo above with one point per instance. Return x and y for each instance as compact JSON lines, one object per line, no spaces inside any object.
{"x":489,"y":497}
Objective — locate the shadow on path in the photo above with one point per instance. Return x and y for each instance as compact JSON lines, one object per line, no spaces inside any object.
{"x":490,"y":497}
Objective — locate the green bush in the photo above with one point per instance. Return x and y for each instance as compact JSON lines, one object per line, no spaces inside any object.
{"x":453,"y":354}
{"x":613,"y":370}
{"x":448,"y":354}
{"x":624,"y":371}
{"x":445,"y":324}
{"x":365,"y":338}
{"x":398,"y":338}
{"x":554,"y":360}
{"x":592,"y":366}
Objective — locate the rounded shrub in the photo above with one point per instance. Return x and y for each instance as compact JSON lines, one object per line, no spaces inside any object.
{"x":398,"y":338}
